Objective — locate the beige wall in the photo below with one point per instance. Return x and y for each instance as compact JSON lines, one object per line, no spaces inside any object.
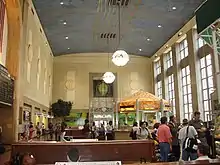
{"x":35,"y":48}
{"x":136,"y":75}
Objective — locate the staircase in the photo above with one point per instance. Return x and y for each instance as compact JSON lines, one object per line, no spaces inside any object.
{"x":207,"y":35}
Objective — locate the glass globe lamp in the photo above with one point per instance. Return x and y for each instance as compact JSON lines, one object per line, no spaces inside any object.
{"x":120,"y":58}
{"x":108,"y":77}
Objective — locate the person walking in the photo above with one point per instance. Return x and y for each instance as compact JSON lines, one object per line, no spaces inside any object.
{"x":198,"y":124}
{"x":174,"y":132}
{"x":165,"y":139}
{"x":185,"y":132}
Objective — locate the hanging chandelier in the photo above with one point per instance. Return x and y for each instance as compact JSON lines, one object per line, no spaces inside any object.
{"x":108,"y":77}
{"x":120,"y":58}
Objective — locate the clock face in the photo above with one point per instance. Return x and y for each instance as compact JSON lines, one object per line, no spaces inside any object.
{"x":69,"y":85}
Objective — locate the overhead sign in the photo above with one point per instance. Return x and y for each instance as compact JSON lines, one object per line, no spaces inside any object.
{"x":90,"y":163}
{"x":207,"y":14}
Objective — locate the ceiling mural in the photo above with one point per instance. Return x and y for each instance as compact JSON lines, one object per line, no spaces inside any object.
{"x":78,"y":26}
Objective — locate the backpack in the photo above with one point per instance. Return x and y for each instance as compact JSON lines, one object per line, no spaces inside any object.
{"x":190,"y":144}
{"x":133,"y":134}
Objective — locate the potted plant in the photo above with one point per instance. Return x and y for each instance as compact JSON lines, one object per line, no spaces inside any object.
{"x":61,"y":108}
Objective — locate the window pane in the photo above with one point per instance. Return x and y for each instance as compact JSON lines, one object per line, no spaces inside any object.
{"x":208,"y":59}
{"x":185,"y":99}
{"x":202,"y":62}
{"x":204,"y":84}
{"x":205,"y":95}
{"x":184,"y":90}
{"x":209,"y":70}
{"x":187,"y":70}
{"x":186,"y":116}
{"x":190,"y":108}
{"x":203,"y":73}
{"x":189,"y":98}
{"x":189,"y":88}
{"x":206,"y":105}
{"x":210,"y":82}
{"x":184,"y":81}
{"x":207,"y":116}
{"x":188,"y":79}
{"x":186,"y":52}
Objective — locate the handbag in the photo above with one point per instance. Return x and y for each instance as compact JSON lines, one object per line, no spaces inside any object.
{"x":190,"y":144}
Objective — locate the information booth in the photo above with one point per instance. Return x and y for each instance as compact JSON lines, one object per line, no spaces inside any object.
{"x":144,"y":104}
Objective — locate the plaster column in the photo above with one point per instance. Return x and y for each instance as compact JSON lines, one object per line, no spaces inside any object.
{"x":163,"y":77}
{"x":177,"y":85}
{"x":194,"y":69}
{"x":13,"y":10}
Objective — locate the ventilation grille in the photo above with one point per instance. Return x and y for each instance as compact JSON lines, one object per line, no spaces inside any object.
{"x":108,"y":35}
{"x":116,"y":2}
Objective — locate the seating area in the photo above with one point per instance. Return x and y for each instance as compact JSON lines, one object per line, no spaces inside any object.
{"x":125,"y":151}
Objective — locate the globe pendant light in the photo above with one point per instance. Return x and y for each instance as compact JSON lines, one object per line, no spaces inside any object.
{"x":120,"y":58}
{"x":108,"y":77}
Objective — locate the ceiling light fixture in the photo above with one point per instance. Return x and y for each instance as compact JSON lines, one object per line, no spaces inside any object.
{"x":140,"y":50}
{"x":180,"y":33}
{"x":120,"y":58}
{"x":174,"y":8}
{"x":108,"y":77}
{"x":61,"y":3}
{"x":159,"y":26}
{"x":148,"y":39}
{"x":68,"y":48}
{"x":66,"y":37}
{"x":64,"y":23}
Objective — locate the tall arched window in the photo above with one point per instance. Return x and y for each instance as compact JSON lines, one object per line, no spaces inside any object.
{"x":29,"y":56}
{"x":38,"y":69}
{"x":50,"y":85}
{"x":45,"y":80}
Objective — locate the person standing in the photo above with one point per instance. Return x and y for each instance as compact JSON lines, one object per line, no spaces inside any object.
{"x":165,"y":139}
{"x":174,"y":132}
{"x":110,"y":131}
{"x":143,"y":132}
{"x":38,"y":128}
{"x":133,"y":133}
{"x":187,"y":132}
{"x":198,"y":124}
{"x":93,"y":131}
{"x":31,"y":131}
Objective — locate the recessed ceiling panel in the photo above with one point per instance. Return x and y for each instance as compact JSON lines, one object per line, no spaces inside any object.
{"x":75,"y":26}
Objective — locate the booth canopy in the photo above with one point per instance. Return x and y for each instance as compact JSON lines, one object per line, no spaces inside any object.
{"x":147,"y":101}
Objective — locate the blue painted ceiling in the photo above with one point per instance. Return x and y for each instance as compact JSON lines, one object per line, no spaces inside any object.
{"x":87,"y":21}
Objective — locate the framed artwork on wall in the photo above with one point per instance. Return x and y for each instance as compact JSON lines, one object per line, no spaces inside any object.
{"x":101,"y":89}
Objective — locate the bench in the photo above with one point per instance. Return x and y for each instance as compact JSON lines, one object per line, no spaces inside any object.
{"x":125,"y":151}
{"x":75,"y":133}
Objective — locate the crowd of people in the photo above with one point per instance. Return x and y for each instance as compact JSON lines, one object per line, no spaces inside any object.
{"x":187,"y":141}
{"x":91,"y":131}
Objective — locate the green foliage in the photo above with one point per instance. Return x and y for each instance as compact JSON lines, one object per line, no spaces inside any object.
{"x":61,"y":108}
